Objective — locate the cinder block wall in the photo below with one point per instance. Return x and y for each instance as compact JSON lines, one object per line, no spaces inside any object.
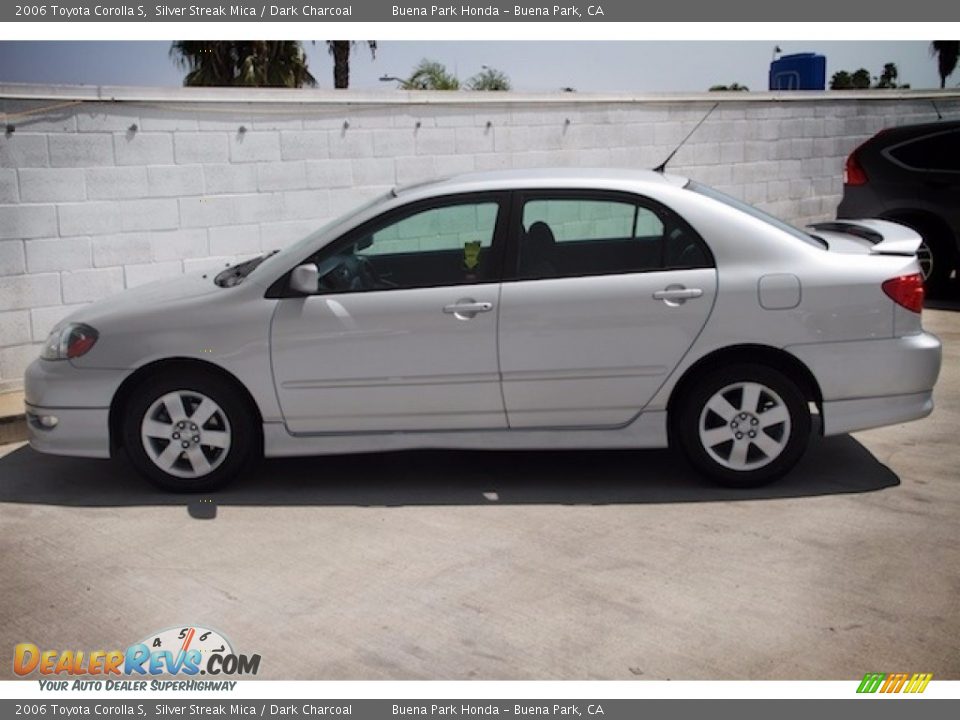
{"x":107,"y":188}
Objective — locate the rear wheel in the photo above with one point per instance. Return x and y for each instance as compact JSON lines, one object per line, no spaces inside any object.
{"x":744,"y":425}
{"x":188,"y":432}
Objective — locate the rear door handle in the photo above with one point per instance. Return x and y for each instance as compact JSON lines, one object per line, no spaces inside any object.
{"x":467,"y":308}
{"x":677,"y":294}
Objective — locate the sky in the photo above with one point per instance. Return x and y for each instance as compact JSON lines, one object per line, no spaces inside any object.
{"x":536,"y":66}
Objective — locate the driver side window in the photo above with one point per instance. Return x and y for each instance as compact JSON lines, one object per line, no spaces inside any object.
{"x":437,"y":246}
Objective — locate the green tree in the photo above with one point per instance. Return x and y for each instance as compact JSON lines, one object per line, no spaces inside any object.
{"x":430,"y":75}
{"x":843,"y":80}
{"x":489,"y":79}
{"x":249,"y":63}
{"x":340,"y":50}
{"x":947,"y":52}
{"x":732,"y":87}
{"x":888,"y":78}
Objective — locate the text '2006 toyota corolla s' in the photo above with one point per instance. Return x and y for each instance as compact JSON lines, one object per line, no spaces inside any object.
{"x":528,"y":309}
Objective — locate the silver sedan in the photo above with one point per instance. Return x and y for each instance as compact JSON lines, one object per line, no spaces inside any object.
{"x":527,"y":309}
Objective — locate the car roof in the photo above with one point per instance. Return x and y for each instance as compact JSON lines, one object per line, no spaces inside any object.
{"x":552,"y":178}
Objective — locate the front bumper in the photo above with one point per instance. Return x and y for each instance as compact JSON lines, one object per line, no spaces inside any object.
{"x":80,"y":432}
{"x":79,"y":399}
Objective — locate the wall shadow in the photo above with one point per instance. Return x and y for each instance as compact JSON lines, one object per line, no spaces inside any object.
{"x":832,"y":466}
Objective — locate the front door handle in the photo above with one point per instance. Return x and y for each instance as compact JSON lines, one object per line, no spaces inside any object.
{"x":467,"y":308}
{"x":674,"y":295}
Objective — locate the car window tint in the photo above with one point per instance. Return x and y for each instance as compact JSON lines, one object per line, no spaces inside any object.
{"x":934,"y":152}
{"x":569,"y":237}
{"x":448,"y":245}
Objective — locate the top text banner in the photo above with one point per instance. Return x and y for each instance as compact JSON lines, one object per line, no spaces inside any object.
{"x":387,"y":10}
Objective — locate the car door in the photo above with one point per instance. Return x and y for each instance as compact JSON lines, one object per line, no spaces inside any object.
{"x":401,"y":334}
{"x":604,"y":294}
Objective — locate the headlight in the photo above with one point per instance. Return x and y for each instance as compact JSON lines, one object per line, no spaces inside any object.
{"x":70,"y":341}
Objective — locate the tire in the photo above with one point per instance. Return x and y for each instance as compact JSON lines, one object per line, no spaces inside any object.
{"x":215,"y":448}
{"x":739,"y":400}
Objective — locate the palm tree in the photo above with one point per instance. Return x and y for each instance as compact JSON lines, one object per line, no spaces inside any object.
{"x":251,"y":63}
{"x":489,"y":79}
{"x":431,"y":75}
{"x":340,"y":49}
{"x":947,"y":52}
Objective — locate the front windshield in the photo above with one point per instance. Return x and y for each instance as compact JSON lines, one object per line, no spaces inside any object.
{"x":301,"y":248}
{"x":758,"y":214}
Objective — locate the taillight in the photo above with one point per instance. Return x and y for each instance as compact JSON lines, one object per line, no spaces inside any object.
{"x":853,"y":173}
{"x":906,"y":291}
{"x":80,"y":340}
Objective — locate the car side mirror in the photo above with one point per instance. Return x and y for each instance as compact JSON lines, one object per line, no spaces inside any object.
{"x":305,"y":279}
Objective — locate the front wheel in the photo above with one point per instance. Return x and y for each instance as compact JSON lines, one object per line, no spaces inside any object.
{"x":188,"y":432}
{"x":744,"y":426}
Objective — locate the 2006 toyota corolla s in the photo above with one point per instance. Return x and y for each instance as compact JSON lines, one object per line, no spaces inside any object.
{"x":528,"y":309}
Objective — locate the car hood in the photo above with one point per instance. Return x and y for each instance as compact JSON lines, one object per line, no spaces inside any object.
{"x":174,"y":294}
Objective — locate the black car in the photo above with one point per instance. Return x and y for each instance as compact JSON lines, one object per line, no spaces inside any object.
{"x":911,"y":175}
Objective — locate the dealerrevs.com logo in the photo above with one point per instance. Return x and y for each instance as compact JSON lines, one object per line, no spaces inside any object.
{"x":186,"y":651}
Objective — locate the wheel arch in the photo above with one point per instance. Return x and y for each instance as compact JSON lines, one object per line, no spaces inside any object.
{"x":773,"y":357}
{"x":122,"y":396}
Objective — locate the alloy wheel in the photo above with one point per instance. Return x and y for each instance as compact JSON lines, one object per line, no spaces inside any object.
{"x":186,"y":434}
{"x":744,"y":426}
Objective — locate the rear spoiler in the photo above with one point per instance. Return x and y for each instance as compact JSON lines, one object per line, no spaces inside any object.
{"x":885,"y":237}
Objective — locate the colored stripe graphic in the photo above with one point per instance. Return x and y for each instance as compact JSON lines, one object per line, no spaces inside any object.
{"x":894,"y":682}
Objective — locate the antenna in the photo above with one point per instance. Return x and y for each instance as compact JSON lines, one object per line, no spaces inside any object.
{"x":936,"y":110}
{"x":663,"y":166}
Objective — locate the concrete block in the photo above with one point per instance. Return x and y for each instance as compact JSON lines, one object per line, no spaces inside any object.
{"x":229,"y":178}
{"x":208,"y":264}
{"x":274,"y":235}
{"x":22,"y":150}
{"x":9,"y":187}
{"x":391,"y":143}
{"x":329,"y":173}
{"x":416,"y":169}
{"x":121,"y":249}
{"x":304,"y":145}
{"x":255,"y":146}
{"x":306,"y":204}
{"x":144,"y":149}
{"x":86,"y":150}
{"x":374,"y":171}
{"x":209,"y":210}
{"x":175,"y":180}
{"x":55,"y":254}
{"x":142,"y":274}
{"x":206,"y":147}
{"x":148,"y":214}
{"x":351,"y":143}
{"x":52,"y":184}
{"x":89,"y":285}
{"x":472,"y":140}
{"x":29,"y":291}
{"x":15,"y":327}
{"x":12,"y":257}
{"x":234,"y":239}
{"x":178,"y":244}
{"x":290,"y":175}
{"x":112,"y":183}
{"x":27,"y":221}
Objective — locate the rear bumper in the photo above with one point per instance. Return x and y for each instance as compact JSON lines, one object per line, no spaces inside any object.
{"x":873,"y":369}
{"x":80,"y":432}
{"x":843,"y":416}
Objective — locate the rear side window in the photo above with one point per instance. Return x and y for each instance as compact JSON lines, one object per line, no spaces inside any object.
{"x":939,"y":152}
{"x":569,"y":236}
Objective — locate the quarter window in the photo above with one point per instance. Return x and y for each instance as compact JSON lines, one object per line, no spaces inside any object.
{"x":940,"y":152}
